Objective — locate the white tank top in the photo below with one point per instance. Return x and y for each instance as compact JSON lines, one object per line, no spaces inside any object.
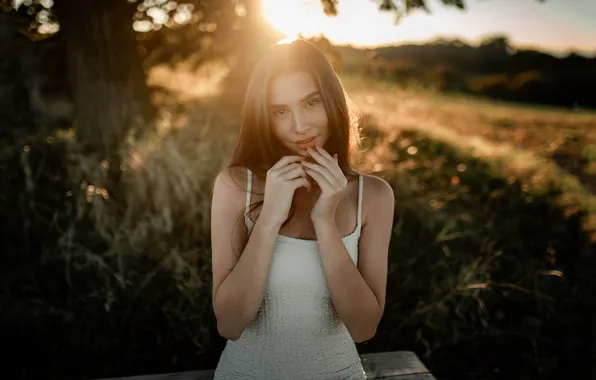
{"x":297,"y":333}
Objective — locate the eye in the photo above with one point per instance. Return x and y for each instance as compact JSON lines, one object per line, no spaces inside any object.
{"x":279,"y":112}
{"x":313,"y":102}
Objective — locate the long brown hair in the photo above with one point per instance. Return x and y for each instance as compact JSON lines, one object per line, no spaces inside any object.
{"x":257,"y":148}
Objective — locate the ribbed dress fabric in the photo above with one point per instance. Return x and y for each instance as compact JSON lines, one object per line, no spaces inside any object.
{"x":297,"y":333}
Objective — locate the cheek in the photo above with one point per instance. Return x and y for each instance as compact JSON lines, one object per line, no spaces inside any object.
{"x":277,"y":127}
{"x":280,"y":129}
{"x":321,"y":120}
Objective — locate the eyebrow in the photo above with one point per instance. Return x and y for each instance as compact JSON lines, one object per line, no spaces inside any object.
{"x":305,"y":98}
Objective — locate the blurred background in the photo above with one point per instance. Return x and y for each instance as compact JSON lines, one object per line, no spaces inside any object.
{"x":115,"y":117}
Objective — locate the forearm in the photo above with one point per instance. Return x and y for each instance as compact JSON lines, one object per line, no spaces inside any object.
{"x":241,"y":294}
{"x":355,"y":302}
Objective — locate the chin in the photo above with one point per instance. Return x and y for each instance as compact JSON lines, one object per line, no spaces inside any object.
{"x":303,"y":153}
{"x":297,"y":151}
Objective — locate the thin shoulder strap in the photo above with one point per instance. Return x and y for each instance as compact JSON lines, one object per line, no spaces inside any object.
{"x":248,"y":193}
{"x":360,"y":186}
{"x":248,"y":188}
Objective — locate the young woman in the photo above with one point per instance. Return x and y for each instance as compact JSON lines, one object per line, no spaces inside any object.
{"x":299,"y":238}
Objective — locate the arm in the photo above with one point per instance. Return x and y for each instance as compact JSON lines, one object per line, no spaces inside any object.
{"x":358,"y":292}
{"x":238,"y":284}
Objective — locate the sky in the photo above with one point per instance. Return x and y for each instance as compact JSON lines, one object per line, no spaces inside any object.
{"x":556,"y":26}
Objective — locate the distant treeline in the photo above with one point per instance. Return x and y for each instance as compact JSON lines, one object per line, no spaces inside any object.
{"x":494,"y":69}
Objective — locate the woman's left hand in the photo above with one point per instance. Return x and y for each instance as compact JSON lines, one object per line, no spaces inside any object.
{"x":331,"y":180}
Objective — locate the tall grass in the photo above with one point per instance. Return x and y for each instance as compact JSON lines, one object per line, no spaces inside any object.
{"x":488,"y":279}
{"x":126,"y":269}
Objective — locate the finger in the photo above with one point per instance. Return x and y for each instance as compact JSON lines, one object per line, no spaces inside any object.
{"x":325,"y":173}
{"x":285,"y":161}
{"x":294,"y":173}
{"x":299,"y":182}
{"x":321,"y":180}
{"x":323,"y":152}
{"x":318,"y":155}
{"x":319,"y":158}
{"x":335,"y":168}
{"x":284,"y":169}
{"x":327,"y":161}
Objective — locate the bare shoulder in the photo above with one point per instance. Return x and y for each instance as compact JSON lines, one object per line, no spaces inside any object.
{"x":231,"y":180}
{"x":375,"y":187}
{"x":229,"y":189}
{"x":377,"y":195}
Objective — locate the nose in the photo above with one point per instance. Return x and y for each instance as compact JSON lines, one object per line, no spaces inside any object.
{"x":300,"y":122}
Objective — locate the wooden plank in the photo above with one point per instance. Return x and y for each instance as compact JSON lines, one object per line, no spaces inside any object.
{"x":418,"y":376}
{"x":397,"y":365}
{"x":188,"y":375}
{"x":392,"y":364}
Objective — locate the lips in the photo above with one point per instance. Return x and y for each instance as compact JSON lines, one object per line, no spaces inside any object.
{"x":305,"y":141}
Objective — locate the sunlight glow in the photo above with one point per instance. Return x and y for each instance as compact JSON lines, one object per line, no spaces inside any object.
{"x":552,"y":25}
{"x":307,"y":18}
{"x":294,"y":17}
{"x":151,"y":15}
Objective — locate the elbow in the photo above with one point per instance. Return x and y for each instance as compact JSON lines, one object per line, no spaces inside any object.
{"x":227,"y":332}
{"x":368,"y":329}
{"x":365,"y":335}
{"x":230,"y":323}
{"x":232,"y":337}
{"x":227,"y":326}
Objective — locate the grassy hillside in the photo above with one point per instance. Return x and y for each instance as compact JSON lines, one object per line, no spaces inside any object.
{"x":544,"y":146}
{"x":493,"y":69}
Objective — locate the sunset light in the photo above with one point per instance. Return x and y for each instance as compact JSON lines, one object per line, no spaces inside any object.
{"x":293,"y":17}
{"x":306,"y":17}
{"x":550,"y":26}
{"x":255,"y":189}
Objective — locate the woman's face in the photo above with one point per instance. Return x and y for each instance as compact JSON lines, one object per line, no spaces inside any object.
{"x":297,"y":113}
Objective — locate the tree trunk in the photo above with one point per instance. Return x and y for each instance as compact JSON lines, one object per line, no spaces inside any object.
{"x":106,"y":77}
{"x":14,"y":107}
{"x":255,"y":37}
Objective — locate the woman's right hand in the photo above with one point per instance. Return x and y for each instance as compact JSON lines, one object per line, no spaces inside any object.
{"x":283,"y":179}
